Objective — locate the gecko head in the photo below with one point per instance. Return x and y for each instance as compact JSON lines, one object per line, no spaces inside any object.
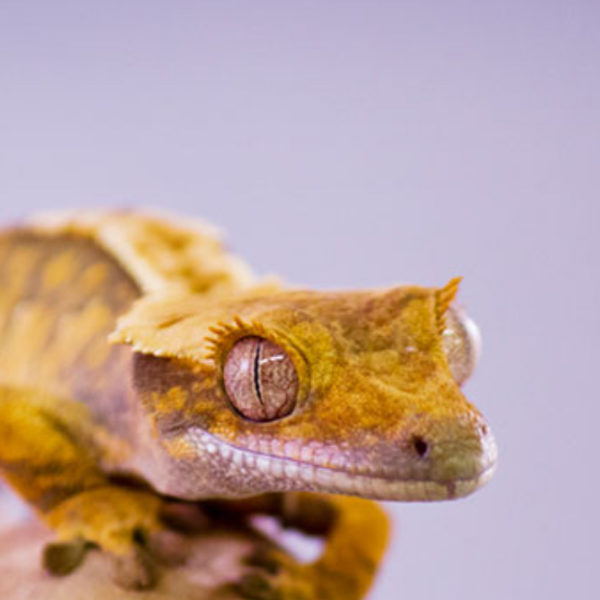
{"x":353,"y":392}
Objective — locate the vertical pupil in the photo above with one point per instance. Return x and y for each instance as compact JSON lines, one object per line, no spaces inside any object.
{"x":257,"y":371}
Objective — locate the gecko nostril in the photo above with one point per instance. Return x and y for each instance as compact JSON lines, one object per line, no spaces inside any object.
{"x":421,"y":446}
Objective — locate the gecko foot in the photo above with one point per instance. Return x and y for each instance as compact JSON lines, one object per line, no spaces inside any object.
{"x":273,"y":575}
{"x":125,"y":524}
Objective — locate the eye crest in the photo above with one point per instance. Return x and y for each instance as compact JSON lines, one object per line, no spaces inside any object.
{"x":461,"y":341}
{"x":224,"y":334}
{"x":260,"y":379}
{"x":443,"y":300}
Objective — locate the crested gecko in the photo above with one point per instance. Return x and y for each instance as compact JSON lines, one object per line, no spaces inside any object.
{"x":134,"y":348}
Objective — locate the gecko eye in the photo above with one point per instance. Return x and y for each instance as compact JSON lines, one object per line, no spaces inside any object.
{"x":260,"y":379}
{"x":461,"y":341}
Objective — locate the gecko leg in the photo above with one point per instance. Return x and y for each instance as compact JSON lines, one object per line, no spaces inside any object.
{"x":55,"y":471}
{"x":355,"y":533}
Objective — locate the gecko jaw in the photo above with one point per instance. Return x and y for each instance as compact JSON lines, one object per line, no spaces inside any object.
{"x":246,"y":472}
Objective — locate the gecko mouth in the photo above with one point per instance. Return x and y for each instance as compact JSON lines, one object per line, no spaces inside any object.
{"x":262,"y":473}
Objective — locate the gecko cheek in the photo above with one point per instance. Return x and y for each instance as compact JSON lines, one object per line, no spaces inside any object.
{"x":260,"y":379}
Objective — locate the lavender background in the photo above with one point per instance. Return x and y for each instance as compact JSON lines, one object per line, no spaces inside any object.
{"x":359,"y":144}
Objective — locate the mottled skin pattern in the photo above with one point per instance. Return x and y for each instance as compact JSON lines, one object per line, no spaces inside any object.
{"x":60,"y":300}
{"x":378,"y":413}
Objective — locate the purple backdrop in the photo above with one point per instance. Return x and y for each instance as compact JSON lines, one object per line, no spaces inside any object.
{"x":358,"y":144}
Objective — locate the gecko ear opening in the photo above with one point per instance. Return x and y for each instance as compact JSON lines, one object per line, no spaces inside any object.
{"x":443,"y":298}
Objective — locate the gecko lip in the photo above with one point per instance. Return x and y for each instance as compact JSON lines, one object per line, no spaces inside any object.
{"x":267,"y":473}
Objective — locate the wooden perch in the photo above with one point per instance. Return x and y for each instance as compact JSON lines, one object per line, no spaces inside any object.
{"x":216,"y":559}
{"x":224,"y":560}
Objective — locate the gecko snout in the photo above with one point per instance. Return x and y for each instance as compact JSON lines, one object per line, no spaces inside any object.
{"x":466,"y":451}
{"x":448,"y":449}
{"x":422,"y":446}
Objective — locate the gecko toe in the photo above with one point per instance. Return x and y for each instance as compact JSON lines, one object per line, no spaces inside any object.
{"x":253,"y":586}
{"x":135,"y":570}
{"x":265,"y":559}
{"x":62,"y":558}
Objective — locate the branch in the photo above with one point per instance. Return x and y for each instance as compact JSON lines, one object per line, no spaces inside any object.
{"x":216,"y":560}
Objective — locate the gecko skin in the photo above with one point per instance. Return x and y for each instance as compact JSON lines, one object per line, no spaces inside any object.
{"x":135,"y":346}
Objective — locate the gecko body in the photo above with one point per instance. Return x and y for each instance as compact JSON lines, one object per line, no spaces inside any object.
{"x":134,"y":346}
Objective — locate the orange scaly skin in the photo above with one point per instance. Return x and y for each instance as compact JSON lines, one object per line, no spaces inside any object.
{"x":114,"y":332}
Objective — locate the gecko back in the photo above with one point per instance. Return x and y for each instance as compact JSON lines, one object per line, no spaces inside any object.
{"x":64,"y":282}
{"x":60,"y":298}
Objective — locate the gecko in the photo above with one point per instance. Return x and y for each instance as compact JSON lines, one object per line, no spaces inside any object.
{"x":141,"y":362}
